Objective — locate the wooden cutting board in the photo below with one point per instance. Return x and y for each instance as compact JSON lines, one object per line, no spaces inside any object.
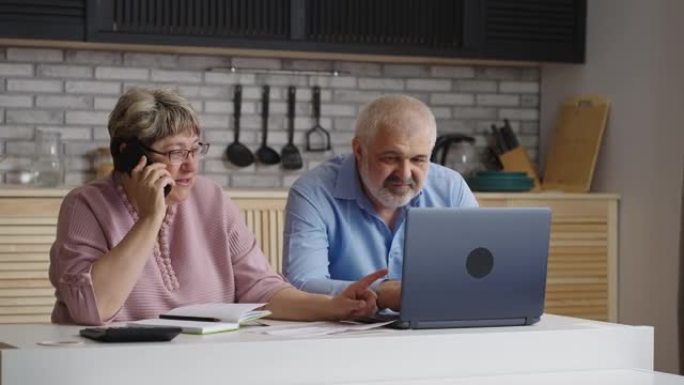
{"x":575,"y":144}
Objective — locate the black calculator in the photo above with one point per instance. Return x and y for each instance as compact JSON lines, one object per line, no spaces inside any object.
{"x":131,"y":333}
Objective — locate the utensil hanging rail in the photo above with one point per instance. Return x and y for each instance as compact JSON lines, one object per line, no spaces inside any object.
{"x":233,"y":69}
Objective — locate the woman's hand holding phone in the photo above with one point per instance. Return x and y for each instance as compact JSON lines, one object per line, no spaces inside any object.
{"x":145,"y":188}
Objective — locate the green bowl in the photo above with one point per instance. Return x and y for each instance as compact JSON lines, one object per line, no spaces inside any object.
{"x":497,"y":174}
{"x":501,"y":184}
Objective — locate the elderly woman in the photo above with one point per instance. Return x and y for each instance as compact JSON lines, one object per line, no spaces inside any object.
{"x":125,"y":251}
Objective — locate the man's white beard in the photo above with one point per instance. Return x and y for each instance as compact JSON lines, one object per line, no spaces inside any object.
{"x":384,"y":195}
{"x":392,"y":201}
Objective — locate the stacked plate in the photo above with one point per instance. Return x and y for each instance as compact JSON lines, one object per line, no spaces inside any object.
{"x":504,"y":181}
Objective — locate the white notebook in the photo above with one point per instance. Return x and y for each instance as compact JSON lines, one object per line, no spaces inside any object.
{"x":208,"y":318}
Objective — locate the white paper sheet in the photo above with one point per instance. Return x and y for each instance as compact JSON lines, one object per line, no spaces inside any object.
{"x":316,"y":329}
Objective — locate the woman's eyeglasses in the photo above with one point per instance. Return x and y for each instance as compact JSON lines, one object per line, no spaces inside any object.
{"x":179,"y":156}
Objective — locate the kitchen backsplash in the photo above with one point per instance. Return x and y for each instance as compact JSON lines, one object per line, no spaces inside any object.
{"x":73,"y":91}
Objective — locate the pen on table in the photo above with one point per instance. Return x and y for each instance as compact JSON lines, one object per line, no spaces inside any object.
{"x":188,"y":318}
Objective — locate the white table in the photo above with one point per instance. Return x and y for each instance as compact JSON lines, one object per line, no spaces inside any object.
{"x":555,"y":344}
{"x":578,"y":377}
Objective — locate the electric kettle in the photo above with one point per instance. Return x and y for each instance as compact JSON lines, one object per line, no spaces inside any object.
{"x":458,"y":152}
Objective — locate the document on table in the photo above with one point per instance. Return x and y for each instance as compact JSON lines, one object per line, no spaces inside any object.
{"x":317,"y":329}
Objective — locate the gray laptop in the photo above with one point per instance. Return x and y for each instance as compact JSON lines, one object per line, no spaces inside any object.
{"x":474,"y":267}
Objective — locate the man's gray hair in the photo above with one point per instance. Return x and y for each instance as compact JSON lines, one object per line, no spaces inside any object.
{"x":396,"y":111}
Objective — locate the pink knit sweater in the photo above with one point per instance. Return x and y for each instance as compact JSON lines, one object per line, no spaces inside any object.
{"x":204,"y":253}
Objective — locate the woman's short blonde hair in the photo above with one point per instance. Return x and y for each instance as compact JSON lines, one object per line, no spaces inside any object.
{"x":149,"y":115}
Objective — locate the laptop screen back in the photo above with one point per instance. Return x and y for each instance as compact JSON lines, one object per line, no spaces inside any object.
{"x":474,"y":266}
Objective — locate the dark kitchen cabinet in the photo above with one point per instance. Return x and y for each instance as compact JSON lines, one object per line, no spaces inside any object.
{"x":432,"y":27}
{"x":43,"y":19}
{"x":399,"y":27}
{"x":533,"y":30}
{"x":262,"y":24}
{"x":539,"y":30}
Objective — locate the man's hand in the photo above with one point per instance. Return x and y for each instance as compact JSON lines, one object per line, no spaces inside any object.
{"x":389,"y":295}
{"x":357,"y":300}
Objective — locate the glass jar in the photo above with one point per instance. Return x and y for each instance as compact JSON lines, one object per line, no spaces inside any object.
{"x":48,"y":164}
{"x":103,"y":162}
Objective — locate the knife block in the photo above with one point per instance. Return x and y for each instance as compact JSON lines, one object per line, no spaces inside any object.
{"x":518,"y":160}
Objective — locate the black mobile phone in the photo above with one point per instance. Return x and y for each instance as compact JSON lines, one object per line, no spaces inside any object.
{"x":129,"y":157}
{"x":130,"y":333}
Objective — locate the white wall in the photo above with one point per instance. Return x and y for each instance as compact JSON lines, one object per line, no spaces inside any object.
{"x":635,"y":57}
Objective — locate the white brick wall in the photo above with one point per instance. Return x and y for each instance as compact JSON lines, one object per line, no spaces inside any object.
{"x":64,"y":71}
{"x":63,"y":101}
{"x":9,"y":69}
{"x":34,"y":86}
{"x":15,"y":101}
{"x":118,"y":73}
{"x":34,"y":55}
{"x":72,"y":91}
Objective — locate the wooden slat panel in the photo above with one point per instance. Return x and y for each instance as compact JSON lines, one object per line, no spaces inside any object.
{"x":280,"y":226}
{"x":30,"y":207}
{"x":27,"y":292}
{"x":23,"y":274}
{"x":24,"y":257}
{"x":565,"y":296}
{"x":25,"y":283}
{"x":25,"y":310}
{"x":577,"y":259}
{"x":579,"y":250}
{"x":578,"y":243}
{"x":262,"y":225}
{"x":272,"y":231}
{"x":565,"y":208}
{"x":564,"y":287}
{"x":19,"y":221}
{"x":260,"y":204}
{"x":27,"y":248}
{"x":23,"y":266}
{"x":577,"y":218}
{"x":27,"y":301}
{"x":578,"y":284}
{"x":578,"y":238}
{"x":28,"y":230}
{"x":24,"y":318}
{"x":580,"y":227}
{"x":256,"y":227}
{"x":552,"y":280}
{"x":577,"y":309}
{"x":26,"y":239}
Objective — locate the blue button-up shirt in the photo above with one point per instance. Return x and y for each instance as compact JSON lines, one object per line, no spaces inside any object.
{"x":333,"y":236}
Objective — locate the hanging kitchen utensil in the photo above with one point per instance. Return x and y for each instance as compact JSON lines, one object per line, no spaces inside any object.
{"x":237,"y":153}
{"x":317,"y":131}
{"x":265,"y":154}
{"x":290,"y":156}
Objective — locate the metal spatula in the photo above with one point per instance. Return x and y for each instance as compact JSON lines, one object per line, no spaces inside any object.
{"x":317,"y":131}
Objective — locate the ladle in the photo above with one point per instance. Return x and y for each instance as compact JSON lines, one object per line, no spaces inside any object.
{"x":236,"y":152}
{"x":265,"y":154}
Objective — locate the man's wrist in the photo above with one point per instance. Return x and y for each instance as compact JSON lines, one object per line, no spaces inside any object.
{"x":375,"y":286}
{"x":384,"y":293}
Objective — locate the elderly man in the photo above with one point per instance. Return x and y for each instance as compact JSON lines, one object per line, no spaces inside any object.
{"x":345,"y":218}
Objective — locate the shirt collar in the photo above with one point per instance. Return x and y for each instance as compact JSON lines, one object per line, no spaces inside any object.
{"x":348,"y":185}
